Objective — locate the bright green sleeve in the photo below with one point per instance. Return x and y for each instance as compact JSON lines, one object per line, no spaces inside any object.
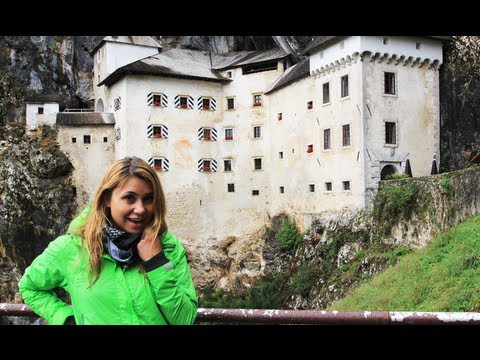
{"x":174,"y":289}
{"x":46,"y":273}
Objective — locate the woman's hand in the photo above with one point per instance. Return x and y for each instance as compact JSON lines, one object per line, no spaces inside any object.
{"x":149,"y":246}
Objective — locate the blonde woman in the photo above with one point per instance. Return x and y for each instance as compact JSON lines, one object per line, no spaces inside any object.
{"x":118,"y":261}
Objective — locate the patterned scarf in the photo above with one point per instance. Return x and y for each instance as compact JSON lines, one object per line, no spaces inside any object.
{"x":121,"y":245}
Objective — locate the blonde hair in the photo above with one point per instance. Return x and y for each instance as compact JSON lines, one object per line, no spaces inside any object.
{"x":92,"y":231}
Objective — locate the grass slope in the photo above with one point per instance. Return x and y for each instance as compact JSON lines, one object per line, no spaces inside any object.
{"x":442,"y":276}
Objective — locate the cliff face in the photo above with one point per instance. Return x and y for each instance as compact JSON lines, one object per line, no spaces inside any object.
{"x":36,"y":199}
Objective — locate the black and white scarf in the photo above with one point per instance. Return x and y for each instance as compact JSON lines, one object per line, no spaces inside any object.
{"x":121,"y":245}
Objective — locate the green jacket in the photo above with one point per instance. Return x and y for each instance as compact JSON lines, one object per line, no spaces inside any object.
{"x":162,"y":295}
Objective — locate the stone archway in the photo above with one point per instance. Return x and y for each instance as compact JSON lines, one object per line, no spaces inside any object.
{"x":387,"y":170}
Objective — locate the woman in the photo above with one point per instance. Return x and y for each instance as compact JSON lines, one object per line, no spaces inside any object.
{"x":118,"y":261}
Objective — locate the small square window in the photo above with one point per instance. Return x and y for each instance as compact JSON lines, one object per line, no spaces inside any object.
{"x":389,"y":79}
{"x":228,"y":134}
{"x":183,"y":102}
{"x":157,"y":100}
{"x":328,"y":186}
{"x":310,"y":148}
{"x":206,"y":104}
{"x":255,"y":192}
{"x":231,"y":187}
{"x":282,"y":189}
{"x":385,"y":41}
{"x":105,"y":139}
{"x":257,"y":164}
{"x":346,"y":185}
{"x":257,"y":132}
{"x":390,"y":133}
{"x":280,"y":154}
{"x":229,"y":74}
{"x":87,"y":139}
{"x":310,"y":105}
{"x":311,"y":187}
{"x":157,"y":132}
{"x":230,"y":103}
{"x":40,"y":111}
{"x":227,"y":165}
{"x":257,"y":100}
{"x":74,"y":139}
{"x":157,"y":164}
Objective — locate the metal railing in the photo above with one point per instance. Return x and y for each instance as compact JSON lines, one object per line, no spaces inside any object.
{"x":312,"y":317}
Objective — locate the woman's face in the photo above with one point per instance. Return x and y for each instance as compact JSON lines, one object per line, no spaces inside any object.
{"x":131,"y":205}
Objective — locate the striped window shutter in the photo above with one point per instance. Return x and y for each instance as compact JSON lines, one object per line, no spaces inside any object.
{"x":190,"y":102}
{"x":213,"y":165}
{"x":213,"y":133}
{"x":165,"y":163}
{"x":163,"y":99}
{"x":163,"y":129}
{"x":213,"y":103}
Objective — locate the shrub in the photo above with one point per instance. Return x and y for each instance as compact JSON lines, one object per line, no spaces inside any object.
{"x":288,"y":236}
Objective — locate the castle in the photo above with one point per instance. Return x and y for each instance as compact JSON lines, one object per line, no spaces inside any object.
{"x":237,"y":138}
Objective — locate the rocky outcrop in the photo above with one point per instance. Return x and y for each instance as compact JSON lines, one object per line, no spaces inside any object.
{"x":36,"y":199}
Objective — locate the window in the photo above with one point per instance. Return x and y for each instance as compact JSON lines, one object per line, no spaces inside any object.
{"x":157,"y":131}
{"x":344,"y":86}
{"x":158,"y":164}
{"x":87,"y":139}
{"x":310,"y":148}
{"x":280,"y":154}
{"x":105,"y":139}
{"x":279,"y":116}
{"x":310,"y":105}
{"x":282,"y":189}
{"x":326,"y":93}
{"x":40,"y":111}
{"x":257,"y":100}
{"x":231,"y":187}
{"x":207,"y":134}
{"x":326,"y":139}
{"x":74,"y":139}
{"x":418,"y":46}
{"x":385,"y":41}
{"x":346,"y":185}
{"x":229,"y":74}
{"x":390,"y":83}
{"x":255,"y":192}
{"x":230,"y":103}
{"x":205,"y":104}
{"x":328,"y":186}
{"x":346,"y":135}
{"x":183,"y":102}
{"x":228,"y":134}
{"x":207,"y":165}
{"x":311,"y":187}
{"x":257,"y":162}
{"x":157,"y":100}
{"x":390,"y":133}
{"x":257,"y":132}
{"x":227,"y":165}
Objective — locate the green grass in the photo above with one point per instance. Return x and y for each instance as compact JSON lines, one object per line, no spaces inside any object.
{"x":442,"y":276}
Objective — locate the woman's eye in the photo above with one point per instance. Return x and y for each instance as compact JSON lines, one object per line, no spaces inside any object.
{"x":129,"y":198}
{"x":148,"y":199}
